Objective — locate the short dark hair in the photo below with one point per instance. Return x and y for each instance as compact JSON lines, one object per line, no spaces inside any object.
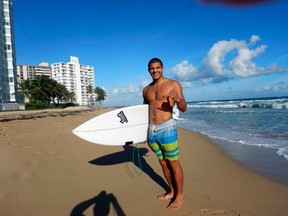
{"x":155,"y":60}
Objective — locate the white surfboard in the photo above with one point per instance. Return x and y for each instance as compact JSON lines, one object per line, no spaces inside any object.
{"x":119,"y":127}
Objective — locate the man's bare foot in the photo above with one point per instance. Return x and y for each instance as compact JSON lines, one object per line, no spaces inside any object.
{"x":175,"y":205}
{"x":166,"y":196}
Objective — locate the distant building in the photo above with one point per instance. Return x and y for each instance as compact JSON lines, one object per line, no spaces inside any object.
{"x":8,"y":72}
{"x":75,"y":77}
{"x":25,"y":72}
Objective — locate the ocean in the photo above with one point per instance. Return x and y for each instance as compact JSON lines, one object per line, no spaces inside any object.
{"x":259,"y":122}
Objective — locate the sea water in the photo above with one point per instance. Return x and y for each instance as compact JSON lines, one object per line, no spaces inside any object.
{"x":261,"y":122}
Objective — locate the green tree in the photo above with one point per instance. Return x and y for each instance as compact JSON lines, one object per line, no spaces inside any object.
{"x":59,"y":93}
{"x":70,"y":97}
{"x":90,"y":92}
{"x":42,"y":89}
{"x":25,"y":89}
{"x":101,"y":94}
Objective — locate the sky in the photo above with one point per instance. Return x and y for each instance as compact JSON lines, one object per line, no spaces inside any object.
{"x":217,"y":49}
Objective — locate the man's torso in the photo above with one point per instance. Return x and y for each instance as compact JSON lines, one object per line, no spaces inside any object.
{"x":160,"y":106}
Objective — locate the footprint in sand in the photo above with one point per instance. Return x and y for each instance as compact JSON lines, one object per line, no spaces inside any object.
{"x":38,"y":153}
{"x":5,"y":136}
{"x":51,"y":152}
{"x":23,"y":175}
{"x":27,"y":147}
{"x":12,"y":144}
{"x":213,"y":212}
{"x":59,"y":157}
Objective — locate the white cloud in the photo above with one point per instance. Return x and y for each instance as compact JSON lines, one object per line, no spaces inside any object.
{"x":216,"y":68}
{"x":115,"y":91}
{"x":185,"y":71}
{"x":143,"y":83}
{"x":214,"y":61}
{"x":125,"y":90}
{"x":243,"y":66}
{"x":279,"y":87}
{"x":254,"y":39}
{"x":186,"y":84}
{"x":125,"y":95}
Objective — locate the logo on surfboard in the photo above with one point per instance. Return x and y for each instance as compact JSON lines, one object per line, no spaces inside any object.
{"x":123,"y":118}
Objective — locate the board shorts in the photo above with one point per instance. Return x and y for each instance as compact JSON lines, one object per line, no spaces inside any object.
{"x":162,"y":139}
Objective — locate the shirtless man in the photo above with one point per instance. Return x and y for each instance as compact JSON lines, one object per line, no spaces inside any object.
{"x":161,"y":95}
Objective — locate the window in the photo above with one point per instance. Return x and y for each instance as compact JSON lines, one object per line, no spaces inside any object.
{"x":8,"y":39}
{"x":6,"y":7}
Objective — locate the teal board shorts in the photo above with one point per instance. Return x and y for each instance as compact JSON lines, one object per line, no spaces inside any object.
{"x":162,"y":139}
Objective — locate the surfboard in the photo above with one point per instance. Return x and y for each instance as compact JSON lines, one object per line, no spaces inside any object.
{"x":122,"y":126}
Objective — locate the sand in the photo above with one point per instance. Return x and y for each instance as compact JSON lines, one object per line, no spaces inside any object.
{"x":46,"y":170}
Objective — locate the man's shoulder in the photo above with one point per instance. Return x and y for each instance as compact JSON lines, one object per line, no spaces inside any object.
{"x":171,"y":81}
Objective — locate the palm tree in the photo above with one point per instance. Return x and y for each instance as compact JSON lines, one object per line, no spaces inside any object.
{"x":70,"y":97}
{"x":90,"y":92}
{"x":61,"y":92}
{"x":25,"y":89}
{"x":41,"y":89}
{"x":101,"y":94}
{"x":57,"y":91}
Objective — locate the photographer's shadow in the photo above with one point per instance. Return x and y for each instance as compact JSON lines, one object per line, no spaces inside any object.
{"x":102,"y":203}
{"x":125,"y":156}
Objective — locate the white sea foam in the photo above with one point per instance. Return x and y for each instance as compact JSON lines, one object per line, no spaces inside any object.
{"x":281,"y":103}
{"x":261,"y":123}
{"x":283,"y":152}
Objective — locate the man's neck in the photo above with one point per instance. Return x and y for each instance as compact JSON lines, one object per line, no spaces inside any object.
{"x":158,"y":81}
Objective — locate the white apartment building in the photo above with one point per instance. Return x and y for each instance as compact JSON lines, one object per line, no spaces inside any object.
{"x":30,"y":72}
{"x":75,"y":77}
{"x":8,"y":72}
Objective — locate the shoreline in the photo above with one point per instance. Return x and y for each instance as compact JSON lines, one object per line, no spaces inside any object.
{"x":262,"y":160}
{"x":46,"y":170}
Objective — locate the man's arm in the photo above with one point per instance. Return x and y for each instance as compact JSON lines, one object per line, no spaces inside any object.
{"x":145,"y":101}
{"x":177,"y":95}
{"x":179,"y":98}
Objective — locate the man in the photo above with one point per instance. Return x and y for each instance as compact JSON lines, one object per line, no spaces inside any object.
{"x":161,"y":95}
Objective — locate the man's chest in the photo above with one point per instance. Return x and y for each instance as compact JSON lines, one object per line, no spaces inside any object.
{"x":157,"y":93}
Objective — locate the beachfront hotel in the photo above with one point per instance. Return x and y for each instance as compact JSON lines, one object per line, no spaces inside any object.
{"x":8,"y":72}
{"x":75,"y":77}
{"x":30,"y":72}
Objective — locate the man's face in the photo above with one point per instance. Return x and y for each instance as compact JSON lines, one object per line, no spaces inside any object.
{"x":156,"y":70}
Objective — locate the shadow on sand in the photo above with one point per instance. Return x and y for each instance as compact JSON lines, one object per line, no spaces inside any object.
{"x":126,"y":156}
{"x":102,"y":203}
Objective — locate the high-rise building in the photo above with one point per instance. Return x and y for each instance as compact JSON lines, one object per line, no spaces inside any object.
{"x":30,"y":72}
{"x":8,"y":72}
{"x":75,"y":77}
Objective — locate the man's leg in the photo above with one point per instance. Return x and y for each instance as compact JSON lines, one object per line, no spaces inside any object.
{"x":167,"y":174}
{"x":177,"y":180}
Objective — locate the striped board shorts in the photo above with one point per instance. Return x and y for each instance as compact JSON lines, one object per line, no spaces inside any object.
{"x":162,"y":139}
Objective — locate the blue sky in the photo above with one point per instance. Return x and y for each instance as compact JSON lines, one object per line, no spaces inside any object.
{"x":216,"y":50}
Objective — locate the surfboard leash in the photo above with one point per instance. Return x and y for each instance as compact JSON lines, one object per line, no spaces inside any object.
{"x":128,"y":170}
{"x":137,"y":150}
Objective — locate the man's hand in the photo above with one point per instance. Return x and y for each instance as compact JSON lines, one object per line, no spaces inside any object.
{"x":173,"y":94}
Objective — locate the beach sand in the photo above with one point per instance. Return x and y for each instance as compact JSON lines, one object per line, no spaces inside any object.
{"x":46,"y":170}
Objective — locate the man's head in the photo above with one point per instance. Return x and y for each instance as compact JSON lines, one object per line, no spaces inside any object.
{"x":155,"y":60}
{"x":155,"y":68}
